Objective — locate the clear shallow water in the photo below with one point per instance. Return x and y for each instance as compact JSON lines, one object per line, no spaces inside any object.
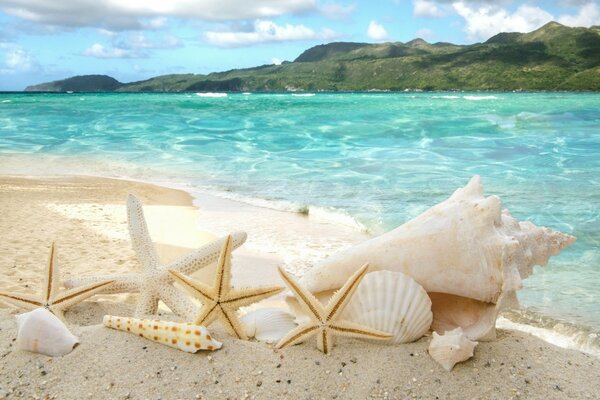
{"x":378,"y":159}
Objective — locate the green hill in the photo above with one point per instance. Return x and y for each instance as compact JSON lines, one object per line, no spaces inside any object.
{"x":553,"y":57}
{"x":81,"y":83}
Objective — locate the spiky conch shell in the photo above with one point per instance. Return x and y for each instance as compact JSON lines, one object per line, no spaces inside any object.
{"x":468,"y":254}
{"x":183,"y":336}
{"x":391,"y":302}
{"x":267,"y":324}
{"x":451,"y":348}
{"x":40,"y":331}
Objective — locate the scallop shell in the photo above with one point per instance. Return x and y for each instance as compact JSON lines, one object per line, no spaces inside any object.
{"x":391,"y":302}
{"x":268,"y":324}
{"x":183,"y":336}
{"x":40,"y":331}
{"x":451,"y":348}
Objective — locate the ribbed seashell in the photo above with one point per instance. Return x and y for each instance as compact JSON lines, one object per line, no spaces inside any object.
{"x":268,"y":324}
{"x":451,"y":348}
{"x":183,"y":336}
{"x":391,"y":302}
{"x":40,"y":331}
{"x":465,"y":250}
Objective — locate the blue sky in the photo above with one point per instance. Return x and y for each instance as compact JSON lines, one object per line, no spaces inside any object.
{"x":42,"y":40}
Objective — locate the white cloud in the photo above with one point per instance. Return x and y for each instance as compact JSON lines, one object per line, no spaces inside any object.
{"x":484,"y":22}
{"x":263,"y":31}
{"x":16,"y":59}
{"x":424,"y":33}
{"x":376,"y":31}
{"x":137,"y":14}
{"x":427,"y":8}
{"x":99,"y":51}
{"x":135,"y":45}
{"x":337,"y":11}
{"x":588,"y":15}
{"x":276,"y":61}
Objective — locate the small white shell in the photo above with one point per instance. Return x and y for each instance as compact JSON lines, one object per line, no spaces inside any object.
{"x":391,"y":302}
{"x":451,"y":348}
{"x":268,"y":324}
{"x":183,"y":336}
{"x":40,"y":331}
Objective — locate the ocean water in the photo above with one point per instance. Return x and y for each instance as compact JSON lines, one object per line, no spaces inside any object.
{"x":369,"y":160}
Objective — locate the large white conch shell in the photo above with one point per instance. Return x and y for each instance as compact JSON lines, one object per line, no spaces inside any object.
{"x":40,"y":331}
{"x":451,"y":348}
{"x":468,"y":254}
{"x":183,"y":336}
{"x":391,"y":302}
{"x":268,"y":324}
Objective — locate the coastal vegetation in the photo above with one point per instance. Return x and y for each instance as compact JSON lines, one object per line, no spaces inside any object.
{"x":553,"y":57}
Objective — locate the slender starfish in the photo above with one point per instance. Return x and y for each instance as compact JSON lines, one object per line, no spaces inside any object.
{"x":51,"y":299}
{"x":155,"y":283}
{"x":221,"y":301}
{"x":324,"y":321}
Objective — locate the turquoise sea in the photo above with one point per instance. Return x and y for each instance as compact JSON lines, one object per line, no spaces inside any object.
{"x":371,"y":159}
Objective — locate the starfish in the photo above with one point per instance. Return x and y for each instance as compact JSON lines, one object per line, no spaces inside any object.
{"x":221,"y":301}
{"x":154,"y":283}
{"x":325,"y":321}
{"x":51,"y":299}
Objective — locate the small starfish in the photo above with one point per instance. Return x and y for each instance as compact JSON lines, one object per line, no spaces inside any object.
{"x":56,"y":302}
{"x":155,"y":283}
{"x":324,"y":321}
{"x":221,"y":301}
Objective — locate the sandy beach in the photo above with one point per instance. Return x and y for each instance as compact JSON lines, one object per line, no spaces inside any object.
{"x":86,"y":217}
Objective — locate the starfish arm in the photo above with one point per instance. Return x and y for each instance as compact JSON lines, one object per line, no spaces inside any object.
{"x":307,"y":301}
{"x":325,"y":341}
{"x":52,"y":278}
{"x":177,"y":302}
{"x":232,"y":323}
{"x":205,"y":255}
{"x":21,"y":300}
{"x":147,"y":304}
{"x":237,"y":298}
{"x":298,"y":334}
{"x":351,"y":329}
{"x":138,"y":231}
{"x":222,"y":282}
{"x":208,"y":313}
{"x":123,"y":283}
{"x":76,"y":295}
{"x":341,"y":297}
{"x":197,"y":289}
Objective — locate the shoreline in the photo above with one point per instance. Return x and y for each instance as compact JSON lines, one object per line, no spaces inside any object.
{"x":87,"y":215}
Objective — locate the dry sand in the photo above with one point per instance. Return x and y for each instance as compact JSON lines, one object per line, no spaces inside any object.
{"x":86,"y":216}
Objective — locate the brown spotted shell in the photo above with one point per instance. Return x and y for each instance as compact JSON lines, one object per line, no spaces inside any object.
{"x":183,"y":336}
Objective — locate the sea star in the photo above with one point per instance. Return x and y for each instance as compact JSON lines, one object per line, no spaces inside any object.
{"x":155,"y":283}
{"x":51,"y":299}
{"x":221,"y":301}
{"x":325,"y":321}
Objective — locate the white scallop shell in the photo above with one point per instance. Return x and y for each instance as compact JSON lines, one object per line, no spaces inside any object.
{"x":40,"y":331}
{"x":268,"y":324}
{"x":451,"y":348}
{"x":391,"y":302}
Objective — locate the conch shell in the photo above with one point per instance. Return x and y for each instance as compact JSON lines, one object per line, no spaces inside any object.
{"x":469,"y":255}
{"x":40,"y":331}
{"x":451,"y":348}
{"x":183,"y":336}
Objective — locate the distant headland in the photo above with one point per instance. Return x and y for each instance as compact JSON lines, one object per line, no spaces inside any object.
{"x":553,"y":57}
